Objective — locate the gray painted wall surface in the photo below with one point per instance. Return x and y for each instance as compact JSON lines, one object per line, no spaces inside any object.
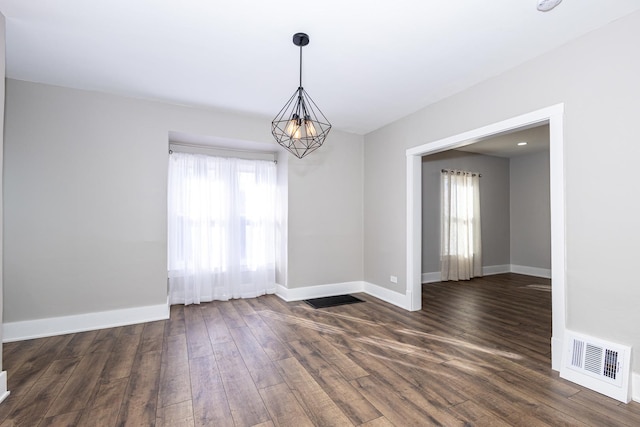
{"x":494,"y":205}
{"x":596,"y":77}
{"x":530,"y":211}
{"x":86,"y":192}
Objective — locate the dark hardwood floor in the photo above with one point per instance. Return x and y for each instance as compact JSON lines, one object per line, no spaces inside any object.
{"x":477,"y":354}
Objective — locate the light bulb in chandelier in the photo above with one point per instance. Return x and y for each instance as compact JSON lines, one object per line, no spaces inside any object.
{"x":293,"y":127}
{"x":297,"y":135}
{"x":309,"y":127}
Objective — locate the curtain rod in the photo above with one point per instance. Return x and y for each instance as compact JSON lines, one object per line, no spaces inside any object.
{"x":457,"y":172}
{"x":218,"y":151}
{"x":219,"y":147}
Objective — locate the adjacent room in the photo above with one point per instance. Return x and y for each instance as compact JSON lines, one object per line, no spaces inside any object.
{"x":183,"y":184}
{"x":514,"y":202}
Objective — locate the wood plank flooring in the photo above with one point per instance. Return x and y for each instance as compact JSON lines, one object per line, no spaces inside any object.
{"x":478,"y":354}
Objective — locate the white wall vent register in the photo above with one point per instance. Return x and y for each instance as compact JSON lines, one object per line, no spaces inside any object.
{"x":598,"y":365}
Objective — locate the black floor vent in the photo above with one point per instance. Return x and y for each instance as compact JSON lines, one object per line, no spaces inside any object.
{"x":332,"y":301}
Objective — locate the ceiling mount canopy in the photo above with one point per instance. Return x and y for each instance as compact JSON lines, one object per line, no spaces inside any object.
{"x":300,"y":127}
{"x":300,"y":39}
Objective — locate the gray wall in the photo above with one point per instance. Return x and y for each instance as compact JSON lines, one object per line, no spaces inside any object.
{"x":325,"y":214}
{"x":85,"y":200}
{"x":530,"y":211}
{"x":596,"y":77}
{"x":494,"y":205}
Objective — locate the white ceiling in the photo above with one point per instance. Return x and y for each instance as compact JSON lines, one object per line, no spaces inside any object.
{"x":369,"y":62}
{"x":506,"y":144}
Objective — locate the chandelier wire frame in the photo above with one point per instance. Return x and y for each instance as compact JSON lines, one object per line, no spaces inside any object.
{"x":300,"y":127}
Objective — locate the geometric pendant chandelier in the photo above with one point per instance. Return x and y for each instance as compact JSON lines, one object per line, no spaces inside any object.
{"x":300,"y":126}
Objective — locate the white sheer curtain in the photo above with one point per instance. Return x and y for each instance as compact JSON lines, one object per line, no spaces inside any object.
{"x":461,"y":246}
{"x":221,"y":228}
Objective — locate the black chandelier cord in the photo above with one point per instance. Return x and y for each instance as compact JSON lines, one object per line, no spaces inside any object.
{"x":300,"y":101}
{"x":300,"y":85}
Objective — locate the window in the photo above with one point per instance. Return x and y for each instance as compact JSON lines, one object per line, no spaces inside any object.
{"x":221,"y":224}
{"x":460,"y":248}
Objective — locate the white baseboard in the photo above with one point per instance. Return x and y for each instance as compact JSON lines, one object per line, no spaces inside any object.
{"x":635,"y":387}
{"x":17,"y":331}
{"x":486,"y":271}
{"x":531,"y":271}
{"x":386,"y":295}
{"x":39,"y":328}
{"x":28,"y":329}
{"x":4,"y":393}
{"x":431,"y":277}
{"x":319,"y":291}
{"x":497,"y":269}
{"x":490,"y":270}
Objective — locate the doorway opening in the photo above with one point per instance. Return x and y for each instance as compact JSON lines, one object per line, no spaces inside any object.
{"x":554,"y":117}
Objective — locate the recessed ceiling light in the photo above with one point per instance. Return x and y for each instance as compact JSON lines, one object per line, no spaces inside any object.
{"x":547,"y":5}
{"x":522,"y":143}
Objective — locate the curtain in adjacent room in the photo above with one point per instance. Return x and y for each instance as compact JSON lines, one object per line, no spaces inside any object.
{"x":460,"y":248}
{"x":221,"y":228}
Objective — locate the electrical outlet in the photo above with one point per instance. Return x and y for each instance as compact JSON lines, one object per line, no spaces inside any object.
{"x":393,"y":279}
